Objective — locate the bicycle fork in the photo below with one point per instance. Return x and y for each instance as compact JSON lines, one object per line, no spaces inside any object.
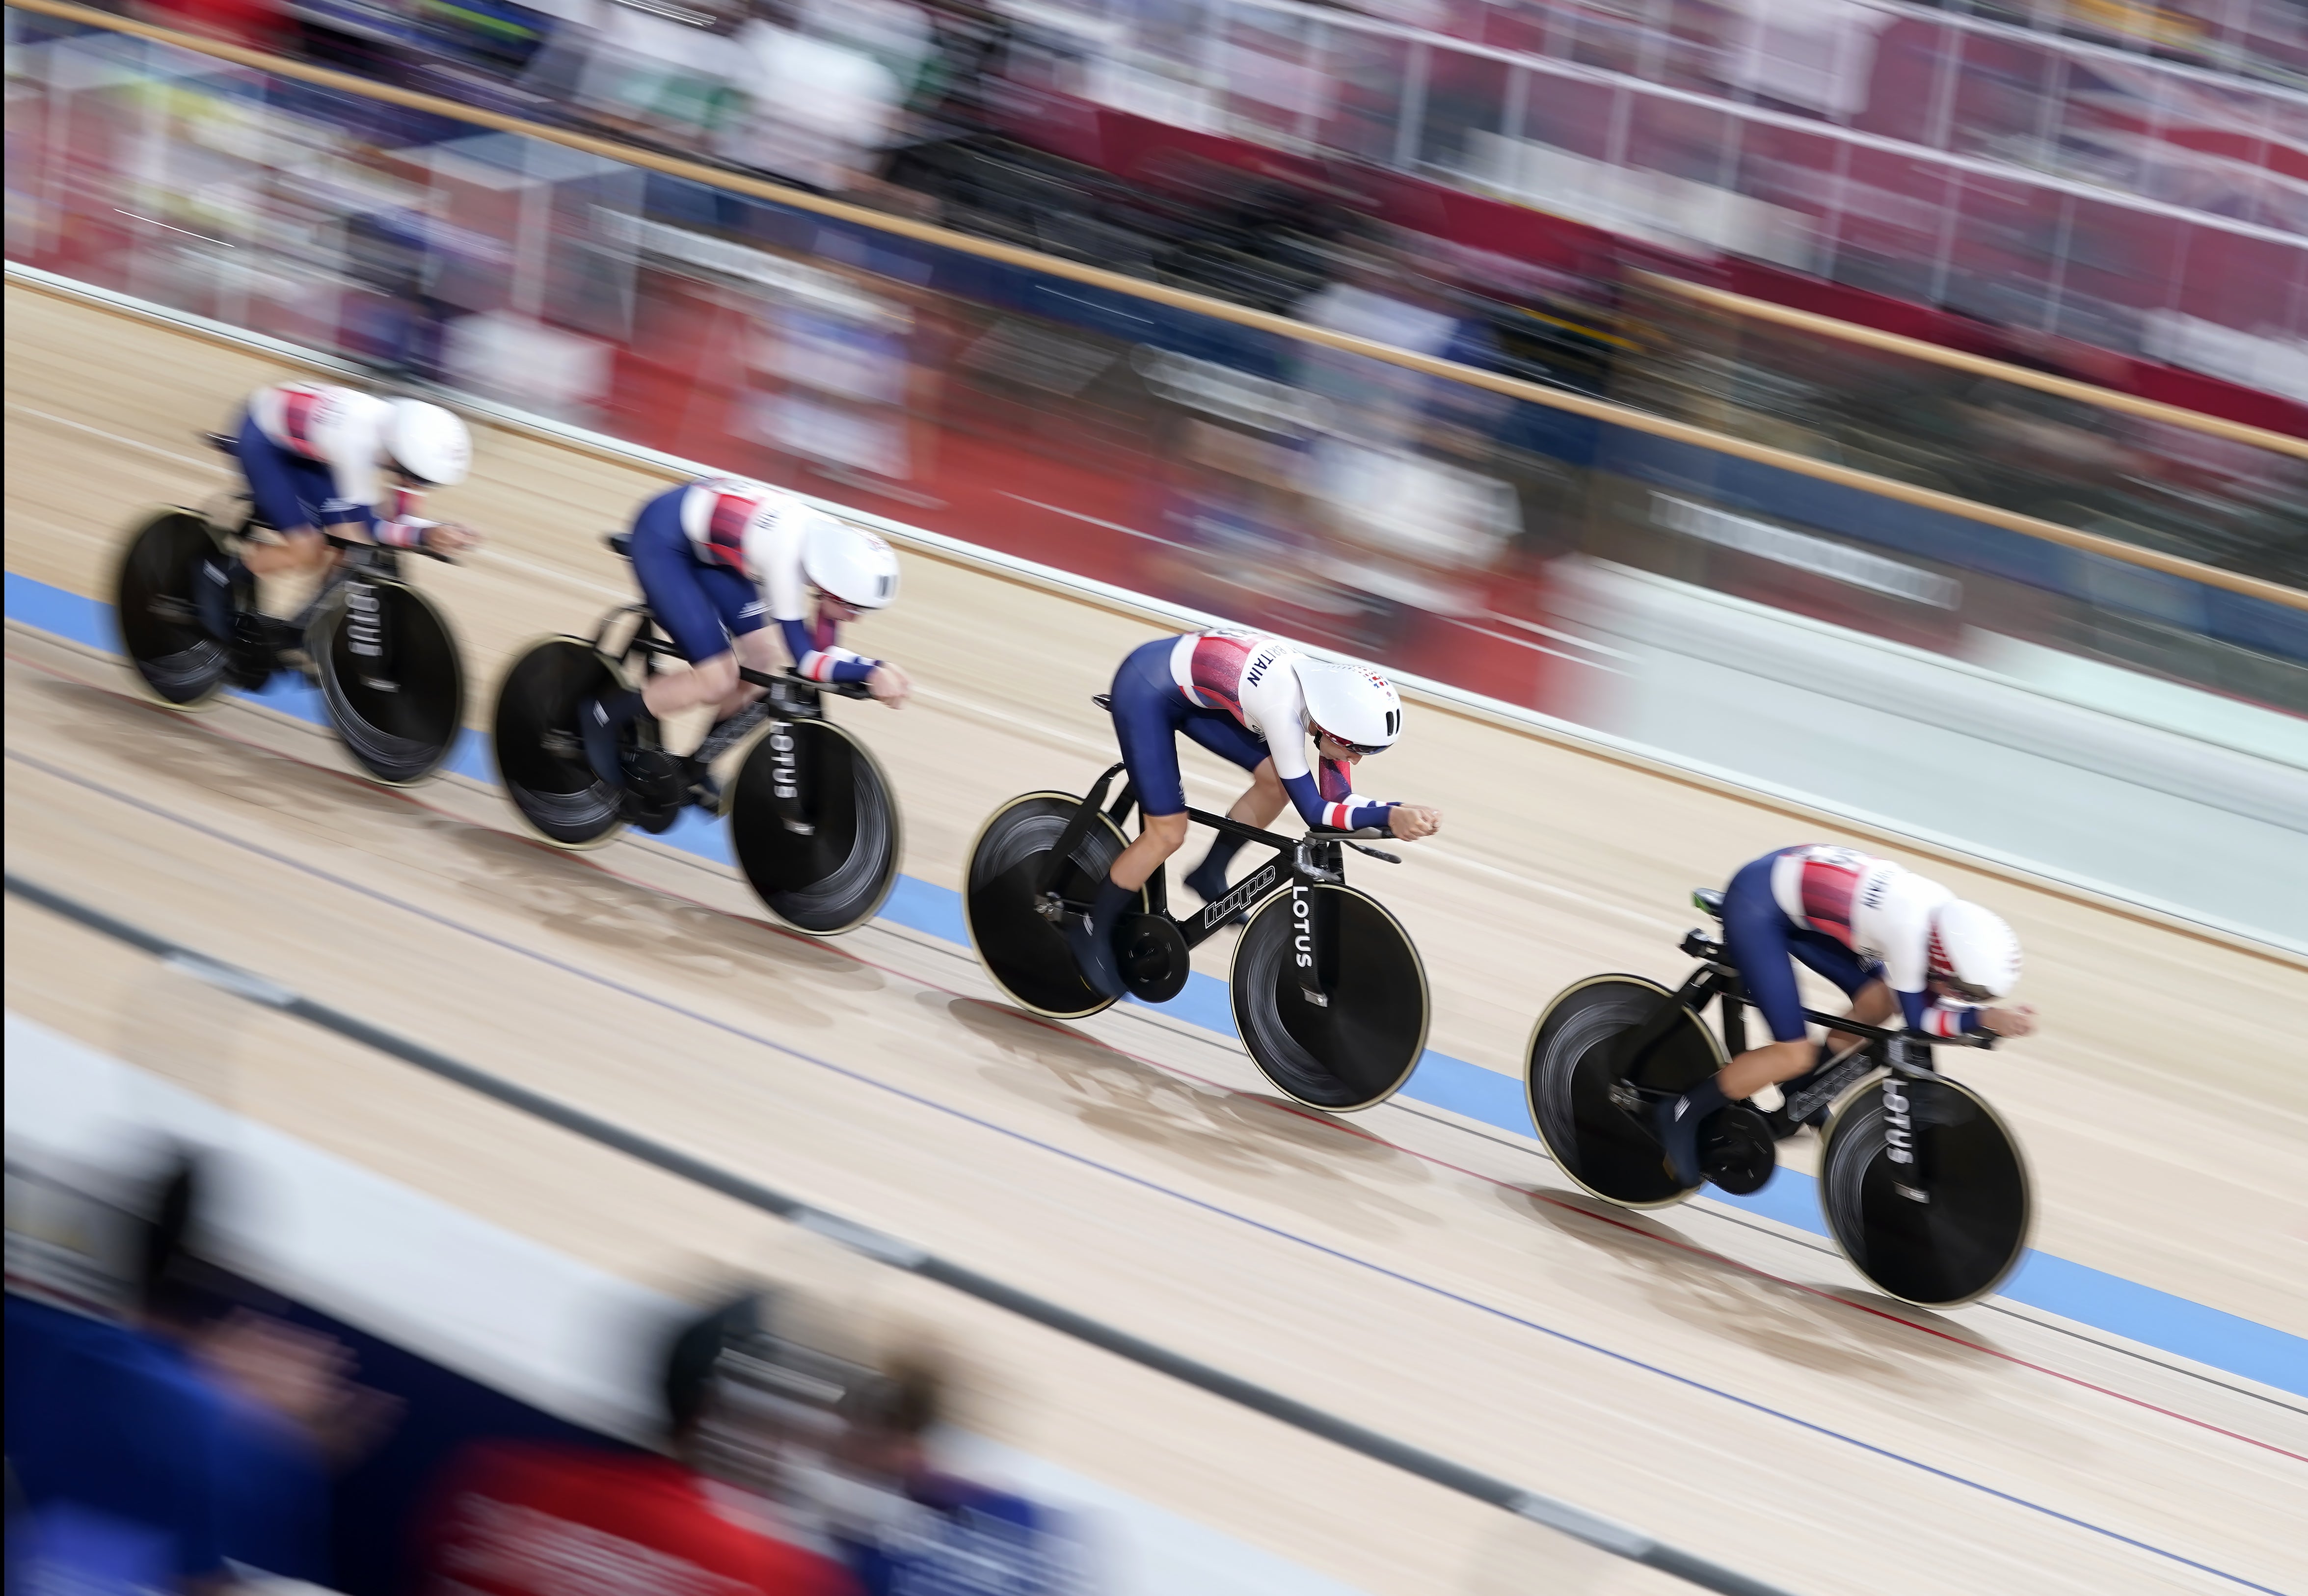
{"x":1903,"y":1141}
{"x":1314,"y":920}
{"x":366,"y":636}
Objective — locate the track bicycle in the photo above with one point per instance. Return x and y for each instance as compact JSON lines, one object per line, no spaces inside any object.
{"x":1922,"y":1184}
{"x":1329,"y":994}
{"x":380,"y":651}
{"x":813,"y":818}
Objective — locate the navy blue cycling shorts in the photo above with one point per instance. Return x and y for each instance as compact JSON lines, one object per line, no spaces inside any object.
{"x":700,"y":607}
{"x":1761,"y":941}
{"x":288,"y":490}
{"x":1148,"y":714}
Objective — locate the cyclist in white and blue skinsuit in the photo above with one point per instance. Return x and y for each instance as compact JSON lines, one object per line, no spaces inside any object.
{"x":1899,"y":944}
{"x":718,"y":560}
{"x":316,"y":456}
{"x":1256,"y":701}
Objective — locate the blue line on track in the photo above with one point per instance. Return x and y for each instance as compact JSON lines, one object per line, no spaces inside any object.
{"x":1141,"y":1181}
{"x":2057,"y":1285}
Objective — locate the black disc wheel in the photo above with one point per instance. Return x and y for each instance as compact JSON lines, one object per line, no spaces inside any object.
{"x":540,"y":758}
{"x":1330,"y":996}
{"x":391,"y":677}
{"x":1924,"y":1186}
{"x":1572,"y":1075}
{"x":161,"y":628}
{"x":815,"y":826}
{"x":1024,"y":951}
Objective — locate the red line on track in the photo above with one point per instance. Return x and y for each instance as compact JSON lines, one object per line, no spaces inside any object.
{"x":1675,"y":1242}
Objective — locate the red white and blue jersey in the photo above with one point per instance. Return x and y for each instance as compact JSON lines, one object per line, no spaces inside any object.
{"x":1250,"y":678}
{"x":759,"y":531}
{"x":1882,"y":912}
{"x":345,"y":430}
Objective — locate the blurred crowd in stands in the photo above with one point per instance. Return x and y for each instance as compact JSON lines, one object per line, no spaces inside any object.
{"x":174,"y":1428}
{"x":2119,"y":173}
{"x":1305,"y":161}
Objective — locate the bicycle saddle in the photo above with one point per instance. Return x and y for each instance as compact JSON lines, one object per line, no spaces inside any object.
{"x":621,"y":543}
{"x":222,"y":443}
{"x":1709,"y":898}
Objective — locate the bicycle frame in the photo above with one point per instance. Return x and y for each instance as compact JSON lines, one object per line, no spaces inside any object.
{"x":785,"y":699}
{"x":1298,"y":861}
{"x":355,"y":559}
{"x":1903,"y":1055}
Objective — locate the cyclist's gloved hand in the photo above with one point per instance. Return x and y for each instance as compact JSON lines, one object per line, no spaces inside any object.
{"x":1411,"y":821}
{"x":2013,"y":1019}
{"x":447,"y":537}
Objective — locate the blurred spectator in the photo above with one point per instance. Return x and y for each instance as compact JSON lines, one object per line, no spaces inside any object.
{"x":192,"y":1440}
{"x":822,"y":87}
{"x":909,"y":1528}
{"x":1414,"y":523}
{"x":521,"y":1519}
{"x":663,"y":73}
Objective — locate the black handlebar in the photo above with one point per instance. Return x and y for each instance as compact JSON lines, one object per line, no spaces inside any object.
{"x":1852,"y":1027}
{"x":1274,"y":839}
{"x":336,"y":540}
{"x":763,"y":679}
{"x":846,"y":689}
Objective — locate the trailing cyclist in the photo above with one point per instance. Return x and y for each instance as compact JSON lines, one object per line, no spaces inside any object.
{"x":315,"y":456}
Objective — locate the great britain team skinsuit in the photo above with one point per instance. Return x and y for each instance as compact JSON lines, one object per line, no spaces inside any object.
{"x":721,"y":557}
{"x":314,"y":455}
{"x":1235,"y":694}
{"x":1853,"y":917}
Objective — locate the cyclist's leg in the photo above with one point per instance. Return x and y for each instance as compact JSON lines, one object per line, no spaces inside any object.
{"x":1259,"y":803}
{"x":1147,"y":711}
{"x":669,"y":575}
{"x":1757,"y":939}
{"x":745,"y":617}
{"x":287,"y":490}
{"x":222,"y":577}
{"x":1872,"y":999}
{"x":756,"y":646}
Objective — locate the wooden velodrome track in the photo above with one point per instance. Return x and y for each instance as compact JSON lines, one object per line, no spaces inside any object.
{"x":1719,"y":1381}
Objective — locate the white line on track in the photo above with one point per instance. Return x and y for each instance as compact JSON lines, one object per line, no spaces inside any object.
{"x":209,"y":462}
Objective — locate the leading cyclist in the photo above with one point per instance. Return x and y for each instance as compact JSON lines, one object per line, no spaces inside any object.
{"x":1255,"y":700}
{"x":1894,"y":941}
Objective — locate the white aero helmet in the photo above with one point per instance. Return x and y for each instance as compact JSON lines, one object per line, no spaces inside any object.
{"x":1973,"y":952}
{"x":848,"y":563}
{"x":428,"y":443}
{"x":1354,"y":704}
